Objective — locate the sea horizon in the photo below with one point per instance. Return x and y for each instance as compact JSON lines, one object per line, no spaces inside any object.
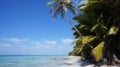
{"x":31,"y":55}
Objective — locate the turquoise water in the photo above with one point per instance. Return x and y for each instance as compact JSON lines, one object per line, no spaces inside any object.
{"x":44,"y":61}
{"x":31,"y":61}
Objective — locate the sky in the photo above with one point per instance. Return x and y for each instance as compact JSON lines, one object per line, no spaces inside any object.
{"x":27,"y":28}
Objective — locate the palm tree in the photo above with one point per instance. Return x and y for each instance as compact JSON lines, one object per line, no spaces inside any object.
{"x":60,"y":7}
{"x":100,"y":29}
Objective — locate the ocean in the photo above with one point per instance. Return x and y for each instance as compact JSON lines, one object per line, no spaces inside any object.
{"x":44,"y":61}
{"x":37,"y":61}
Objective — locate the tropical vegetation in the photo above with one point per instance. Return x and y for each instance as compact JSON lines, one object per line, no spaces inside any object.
{"x":97,"y":33}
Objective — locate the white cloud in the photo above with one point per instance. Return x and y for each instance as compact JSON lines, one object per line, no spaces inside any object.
{"x":44,"y":43}
{"x":67,"y":41}
{"x":44,"y":46}
{"x":36,"y":47}
{"x":36,"y":43}
{"x":50,"y":42}
{"x":15,"y":39}
{"x":5,"y":45}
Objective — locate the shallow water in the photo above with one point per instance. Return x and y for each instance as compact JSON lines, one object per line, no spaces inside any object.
{"x":35,"y":61}
{"x":43,"y":61}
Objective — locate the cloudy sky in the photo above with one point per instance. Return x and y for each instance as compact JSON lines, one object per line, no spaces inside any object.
{"x":26,"y":28}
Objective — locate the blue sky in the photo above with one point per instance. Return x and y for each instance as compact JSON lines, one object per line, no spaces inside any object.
{"x":26,"y":28}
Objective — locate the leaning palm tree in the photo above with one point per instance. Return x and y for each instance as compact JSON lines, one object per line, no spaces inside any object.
{"x":60,"y":7}
{"x":100,"y":29}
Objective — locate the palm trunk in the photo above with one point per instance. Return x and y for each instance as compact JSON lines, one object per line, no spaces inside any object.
{"x":73,"y":26}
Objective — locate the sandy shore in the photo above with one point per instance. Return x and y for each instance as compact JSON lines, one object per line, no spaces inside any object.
{"x":74,"y":61}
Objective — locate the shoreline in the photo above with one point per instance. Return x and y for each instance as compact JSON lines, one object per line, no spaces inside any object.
{"x":75,"y":61}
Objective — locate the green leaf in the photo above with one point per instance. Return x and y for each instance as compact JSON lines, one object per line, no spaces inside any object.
{"x":113,"y":30}
{"x":98,"y":51}
{"x":99,"y":29}
{"x":91,"y":5}
{"x":82,"y":27}
{"x":88,"y":39}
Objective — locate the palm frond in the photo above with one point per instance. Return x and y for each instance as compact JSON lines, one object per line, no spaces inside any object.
{"x":87,"y":40}
{"x":98,"y":51}
{"x":99,"y":29}
{"x":57,"y":11}
{"x":71,"y":8}
{"x":91,"y":5}
{"x":113,"y":30}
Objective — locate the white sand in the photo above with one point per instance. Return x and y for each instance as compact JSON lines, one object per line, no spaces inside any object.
{"x":75,"y":61}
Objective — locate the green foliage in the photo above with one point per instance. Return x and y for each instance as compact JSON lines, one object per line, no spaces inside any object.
{"x":113,"y":30}
{"x":99,"y":29}
{"x":84,"y":29}
{"x":88,"y":39}
{"x":89,"y":19}
{"x":60,"y":6}
{"x":98,"y":51}
{"x":99,"y":25}
{"x":91,"y":5}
